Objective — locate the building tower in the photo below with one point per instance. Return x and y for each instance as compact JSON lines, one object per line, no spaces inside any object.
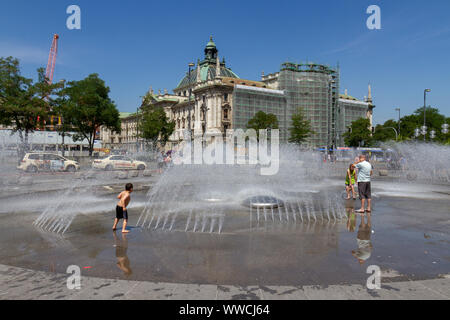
{"x":369,"y":100}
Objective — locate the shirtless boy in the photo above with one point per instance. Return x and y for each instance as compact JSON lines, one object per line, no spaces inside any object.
{"x":121,"y":209}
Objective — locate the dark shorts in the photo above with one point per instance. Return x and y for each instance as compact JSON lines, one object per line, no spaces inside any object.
{"x":365,"y":190}
{"x":120,"y":214}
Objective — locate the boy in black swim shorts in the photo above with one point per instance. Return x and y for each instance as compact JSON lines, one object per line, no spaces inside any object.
{"x":121,"y":208}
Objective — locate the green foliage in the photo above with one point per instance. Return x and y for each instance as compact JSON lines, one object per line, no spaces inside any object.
{"x":360,"y":134}
{"x":155,"y":127}
{"x":385,"y":132}
{"x":25,"y":104}
{"x":301,"y":128}
{"x":263,"y":121}
{"x":86,"y":107}
{"x":434,"y":121}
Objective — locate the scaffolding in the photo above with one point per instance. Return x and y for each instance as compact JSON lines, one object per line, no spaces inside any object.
{"x":314,"y":89}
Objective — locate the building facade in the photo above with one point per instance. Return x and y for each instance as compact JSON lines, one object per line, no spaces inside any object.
{"x":314,"y":90}
{"x":213,"y":97}
{"x":352,"y":109}
{"x":127,"y":139}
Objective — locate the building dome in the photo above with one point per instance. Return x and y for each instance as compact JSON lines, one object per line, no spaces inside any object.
{"x":208,"y":68}
{"x":211,"y":43}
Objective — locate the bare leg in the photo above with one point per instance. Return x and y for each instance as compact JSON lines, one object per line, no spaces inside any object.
{"x":369,"y":205}
{"x":347,"y":189}
{"x":363,"y":205}
{"x":353,"y":191}
{"x":124,"y":227}
{"x":115,"y":224}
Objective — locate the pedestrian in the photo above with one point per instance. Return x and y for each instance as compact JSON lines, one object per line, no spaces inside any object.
{"x":121,"y":208}
{"x":168,"y":160}
{"x":350,"y":181}
{"x":161,"y":162}
{"x":365,"y":172}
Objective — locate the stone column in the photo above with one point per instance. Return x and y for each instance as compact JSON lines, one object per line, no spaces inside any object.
{"x":209,"y":112}
{"x":219,"y":112}
{"x":214,"y":110}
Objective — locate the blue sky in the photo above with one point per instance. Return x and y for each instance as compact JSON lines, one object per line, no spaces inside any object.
{"x":136,"y":44}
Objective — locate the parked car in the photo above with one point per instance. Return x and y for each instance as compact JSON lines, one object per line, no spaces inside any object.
{"x":118,"y":163}
{"x":34,"y":162}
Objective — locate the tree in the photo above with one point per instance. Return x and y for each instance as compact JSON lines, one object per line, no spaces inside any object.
{"x":359,"y":134}
{"x":384,"y":132}
{"x":155,"y":127}
{"x":25,"y":104}
{"x":301,"y":128}
{"x":434,"y":121}
{"x":263,"y":121}
{"x":63,"y":110}
{"x":89,"y":108}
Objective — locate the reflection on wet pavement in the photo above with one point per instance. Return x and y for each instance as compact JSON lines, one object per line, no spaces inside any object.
{"x":123,"y":262}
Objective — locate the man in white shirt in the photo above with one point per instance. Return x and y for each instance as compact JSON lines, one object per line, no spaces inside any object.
{"x":364,"y":186}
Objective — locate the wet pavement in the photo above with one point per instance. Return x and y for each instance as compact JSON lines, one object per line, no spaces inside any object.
{"x":407,"y":237}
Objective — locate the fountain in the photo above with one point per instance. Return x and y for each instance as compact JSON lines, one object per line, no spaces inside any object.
{"x":216,"y":198}
{"x":225,"y":198}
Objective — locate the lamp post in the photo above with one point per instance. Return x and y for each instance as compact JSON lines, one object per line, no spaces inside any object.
{"x":425,"y":112}
{"x":137,"y":130}
{"x":190,"y":93}
{"x":396,"y":133}
{"x":398,"y":109}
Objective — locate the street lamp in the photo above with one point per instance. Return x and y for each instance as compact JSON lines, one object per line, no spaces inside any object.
{"x":417,"y":133}
{"x":432,"y":134}
{"x":137,"y":130}
{"x":425,"y":112}
{"x":398,"y":109}
{"x":396,"y":133}
{"x":445,"y":128}
{"x":191,"y":65}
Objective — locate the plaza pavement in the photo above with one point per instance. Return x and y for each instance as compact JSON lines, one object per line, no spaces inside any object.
{"x":23,"y":284}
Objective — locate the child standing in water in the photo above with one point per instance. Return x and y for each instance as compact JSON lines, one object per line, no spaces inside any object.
{"x":121,"y":209}
{"x":350,"y":181}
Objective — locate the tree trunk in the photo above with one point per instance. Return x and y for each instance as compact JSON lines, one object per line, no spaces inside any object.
{"x":91,"y":144}
{"x":23,"y":146}
{"x":63,"y":145}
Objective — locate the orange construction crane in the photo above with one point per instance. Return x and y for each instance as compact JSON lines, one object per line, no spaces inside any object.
{"x":52,"y":59}
{"x":51,"y":68}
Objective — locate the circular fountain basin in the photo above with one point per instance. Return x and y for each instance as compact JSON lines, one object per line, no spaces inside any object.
{"x":262,"y":202}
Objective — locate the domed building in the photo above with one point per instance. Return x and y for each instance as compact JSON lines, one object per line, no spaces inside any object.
{"x":211,"y":98}
{"x":203,"y":99}
{"x":208,"y":69}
